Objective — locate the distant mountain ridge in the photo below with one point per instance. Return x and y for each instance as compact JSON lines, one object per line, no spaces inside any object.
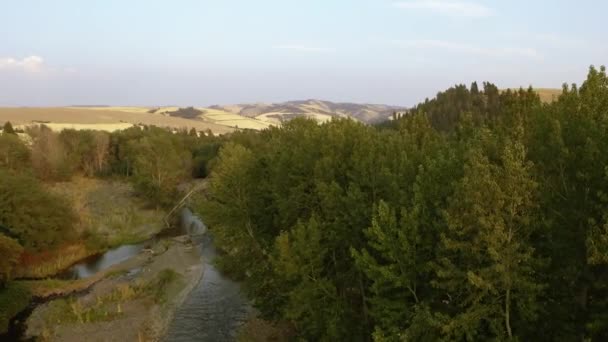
{"x":319,"y":109}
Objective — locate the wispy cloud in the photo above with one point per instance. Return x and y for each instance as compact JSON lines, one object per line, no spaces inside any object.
{"x":301,"y":48}
{"x":470,"y":49}
{"x":31,"y":64}
{"x":559,"y":40}
{"x":447,"y":7}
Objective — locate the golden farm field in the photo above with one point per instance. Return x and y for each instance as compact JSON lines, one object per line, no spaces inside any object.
{"x":110,"y":127}
{"x":232,"y":120}
{"x":547,"y":95}
{"x":275,"y":118}
{"x":103,"y":118}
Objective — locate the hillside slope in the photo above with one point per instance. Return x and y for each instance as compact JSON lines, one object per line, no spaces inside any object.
{"x":320,"y":110}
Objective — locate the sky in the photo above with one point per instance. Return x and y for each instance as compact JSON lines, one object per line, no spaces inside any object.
{"x":188,"y":52}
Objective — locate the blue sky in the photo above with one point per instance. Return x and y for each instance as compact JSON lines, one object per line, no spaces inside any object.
{"x":187,"y":52}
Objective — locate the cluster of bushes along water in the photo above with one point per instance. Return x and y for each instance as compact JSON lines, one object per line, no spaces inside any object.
{"x":69,"y":195}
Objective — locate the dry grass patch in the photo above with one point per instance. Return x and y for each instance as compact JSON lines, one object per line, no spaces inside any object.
{"x":108,"y":215}
{"x":233,"y":120}
{"x":110,"y":306}
{"x":58,"y":127}
{"x":548,"y":95}
{"x":47,"y":263}
{"x":109,"y":212}
{"x":119,"y":109}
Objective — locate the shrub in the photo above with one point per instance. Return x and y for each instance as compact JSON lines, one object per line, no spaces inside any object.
{"x":14,"y":298}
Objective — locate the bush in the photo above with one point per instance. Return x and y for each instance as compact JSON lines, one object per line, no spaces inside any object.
{"x":14,"y":154}
{"x":8,"y":128}
{"x":38,"y":218}
{"x":10,"y":250}
{"x":14,"y":298}
{"x":188,"y":113}
{"x":157,"y":288}
{"x":50,"y":159}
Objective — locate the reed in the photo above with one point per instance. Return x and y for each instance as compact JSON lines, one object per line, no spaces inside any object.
{"x":48,"y":263}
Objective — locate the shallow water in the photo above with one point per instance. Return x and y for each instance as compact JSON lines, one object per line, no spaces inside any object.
{"x":215,"y":308}
{"x":96,"y":263}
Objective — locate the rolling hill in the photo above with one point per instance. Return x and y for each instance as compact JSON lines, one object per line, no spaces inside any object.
{"x":219,"y":119}
{"x":274,"y":113}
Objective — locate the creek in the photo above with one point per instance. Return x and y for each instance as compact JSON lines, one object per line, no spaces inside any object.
{"x":213,"y":311}
{"x":216,"y":307}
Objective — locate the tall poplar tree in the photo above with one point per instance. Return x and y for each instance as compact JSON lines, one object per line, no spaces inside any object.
{"x":487,"y":269}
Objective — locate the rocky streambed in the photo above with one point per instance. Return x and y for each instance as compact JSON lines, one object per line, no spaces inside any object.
{"x":134,"y":301}
{"x":164,"y":289}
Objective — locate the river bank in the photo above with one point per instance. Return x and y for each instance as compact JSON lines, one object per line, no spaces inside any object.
{"x":132,"y":300}
{"x":108,"y":214}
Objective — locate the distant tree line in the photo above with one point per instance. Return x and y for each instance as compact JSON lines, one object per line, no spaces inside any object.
{"x":478,"y":215}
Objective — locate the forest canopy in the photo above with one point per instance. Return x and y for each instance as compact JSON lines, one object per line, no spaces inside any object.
{"x":478,"y":215}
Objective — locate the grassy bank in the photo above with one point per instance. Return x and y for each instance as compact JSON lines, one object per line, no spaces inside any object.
{"x":46,"y":288}
{"x":109,"y":215}
{"x":43,"y":264}
{"x":132,"y":300}
{"x":108,"y":306}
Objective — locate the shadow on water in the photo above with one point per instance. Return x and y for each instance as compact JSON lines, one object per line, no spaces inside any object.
{"x":215,"y":308}
{"x":17,"y":327}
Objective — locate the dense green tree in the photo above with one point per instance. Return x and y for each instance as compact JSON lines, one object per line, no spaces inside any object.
{"x":569,"y":149}
{"x":488,"y":259}
{"x":313,"y":301}
{"x":203,"y":156}
{"x":232,"y":191}
{"x":121,"y":156}
{"x":11,"y":252}
{"x":78,"y":146}
{"x":39,"y":219}
{"x":14,"y":154}
{"x":50,"y":159}
{"x":159,"y":165}
{"x":8,"y":128}
{"x":395,"y":272}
